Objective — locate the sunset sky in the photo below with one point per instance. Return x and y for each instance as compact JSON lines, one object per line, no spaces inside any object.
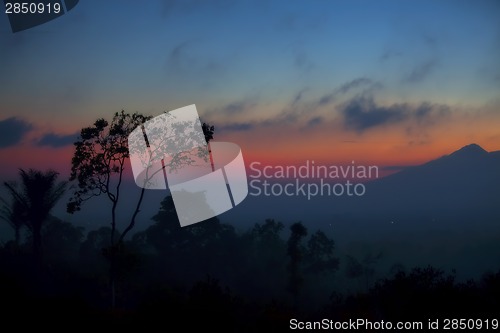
{"x":390,"y":83}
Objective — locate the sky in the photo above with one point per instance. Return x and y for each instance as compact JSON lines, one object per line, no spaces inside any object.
{"x":388,"y":83}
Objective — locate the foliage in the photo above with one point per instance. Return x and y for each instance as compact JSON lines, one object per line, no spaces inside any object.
{"x":99,"y":160}
{"x":295,"y":252}
{"x":33,"y":199}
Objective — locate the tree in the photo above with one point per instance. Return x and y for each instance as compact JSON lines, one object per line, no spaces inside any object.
{"x":295,"y":252}
{"x":366,"y":267}
{"x":100,"y":160}
{"x":61,"y":241}
{"x":194,"y":250}
{"x":208,"y":131}
{"x":98,"y":164}
{"x":13,"y":213}
{"x":101,"y":153}
{"x":266,"y":248}
{"x":33,"y":199}
{"x":320,"y":253}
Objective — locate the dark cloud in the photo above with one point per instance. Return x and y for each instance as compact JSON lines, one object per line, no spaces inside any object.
{"x":421,"y":71}
{"x":361,"y":113}
{"x":314,"y":121}
{"x":57,"y":140}
{"x":236,"y":127}
{"x":298,"y":109}
{"x":179,"y":55}
{"x":345,"y":88}
{"x":362,"y":81}
{"x":326,"y":99}
{"x":188,"y":58}
{"x":423,"y":110}
{"x":302,"y":61}
{"x":428,"y":113}
{"x":233,"y":109}
{"x":389,"y":54}
{"x":12,"y":131}
{"x":430,"y":41}
{"x":298,"y":97}
{"x":238,"y":107}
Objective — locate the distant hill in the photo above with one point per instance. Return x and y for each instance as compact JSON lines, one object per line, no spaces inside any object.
{"x":445,"y":212}
{"x":462,"y":187}
{"x":465,"y":183}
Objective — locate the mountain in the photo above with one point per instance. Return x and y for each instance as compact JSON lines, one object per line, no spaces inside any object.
{"x":460,"y":188}
{"x":463,"y":184}
{"x":445,"y":213}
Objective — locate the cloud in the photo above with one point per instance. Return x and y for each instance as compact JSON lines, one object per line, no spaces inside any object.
{"x":421,"y":71}
{"x":231,"y":110}
{"x":427,"y":113}
{"x":390,"y":54}
{"x":190,"y":58}
{"x":301,"y":108}
{"x":314,"y":121}
{"x":298,"y":97}
{"x":237,"y":107}
{"x":179,"y":55}
{"x":57,"y":140}
{"x":13,"y":130}
{"x":430,"y":41}
{"x":236,"y":127}
{"x":302,"y":61}
{"x":362,"y":113}
{"x":298,"y":110}
{"x":345,"y":88}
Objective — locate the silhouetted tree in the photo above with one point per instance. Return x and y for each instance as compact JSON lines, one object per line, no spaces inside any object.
{"x":320,"y":256}
{"x":15,"y":215}
{"x":366,"y":267}
{"x":98,"y":164}
{"x":428,"y":291}
{"x":262,"y":258}
{"x":267,"y":233}
{"x":208,"y":131}
{"x":267,"y":244}
{"x":195,"y":250}
{"x":36,"y":195}
{"x":99,"y":161}
{"x":91,"y":256}
{"x":354,"y":269}
{"x":295,"y":252}
{"x":61,"y":240}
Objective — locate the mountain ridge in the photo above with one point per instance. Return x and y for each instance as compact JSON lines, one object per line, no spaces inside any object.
{"x":465,"y":182}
